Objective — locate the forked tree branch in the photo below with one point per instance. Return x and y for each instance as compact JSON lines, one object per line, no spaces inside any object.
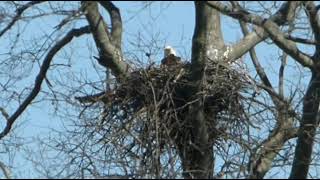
{"x":284,"y":14}
{"x":271,"y":28}
{"x":261,"y":163}
{"x":110,"y":54}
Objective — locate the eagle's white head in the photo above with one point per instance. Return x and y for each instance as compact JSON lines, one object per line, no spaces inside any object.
{"x":169,"y":50}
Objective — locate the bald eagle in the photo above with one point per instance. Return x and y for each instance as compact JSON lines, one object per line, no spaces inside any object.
{"x":170,"y":57}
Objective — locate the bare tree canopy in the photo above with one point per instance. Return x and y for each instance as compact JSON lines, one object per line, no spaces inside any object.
{"x":130,"y":105}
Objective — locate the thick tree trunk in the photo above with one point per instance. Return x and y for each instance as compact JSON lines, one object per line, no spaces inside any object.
{"x":197,"y":151}
{"x":207,"y":42}
{"x":197,"y":154}
{"x":309,"y":124}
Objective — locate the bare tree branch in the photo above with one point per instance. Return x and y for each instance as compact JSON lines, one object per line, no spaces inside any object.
{"x":245,"y":44}
{"x":263,"y":76}
{"x":307,"y":131}
{"x":4,"y":113}
{"x":302,"y":40}
{"x":273,"y":144}
{"x":284,"y":58}
{"x":270,"y":148}
{"x":281,"y":73}
{"x":311,"y":108}
{"x":41,"y":76}
{"x":91,"y":98}
{"x":5,"y":170}
{"x":287,"y":46}
{"x":314,"y":21}
{"x":110,"y":55}
{"x":271,"y":28}
{"x":252,"y":39}
{"x":19,"y":11}
{"x":116,"y":22}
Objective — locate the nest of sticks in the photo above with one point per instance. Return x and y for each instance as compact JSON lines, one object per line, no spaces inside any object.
{"x":154,"y":102}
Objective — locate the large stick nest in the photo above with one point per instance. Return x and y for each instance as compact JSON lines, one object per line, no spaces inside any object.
{"x":154,"y":101}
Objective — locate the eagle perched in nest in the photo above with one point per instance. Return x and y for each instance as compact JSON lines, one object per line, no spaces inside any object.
{"x":170,"y":57}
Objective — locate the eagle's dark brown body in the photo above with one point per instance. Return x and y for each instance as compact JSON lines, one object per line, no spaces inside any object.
{"x":170,"y":60}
